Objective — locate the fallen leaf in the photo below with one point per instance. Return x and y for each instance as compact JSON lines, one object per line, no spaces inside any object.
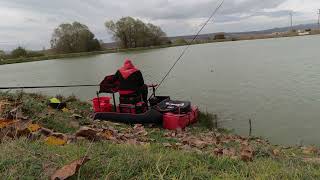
{"x":145,"y":145}
{"x":71,"y":139}
{"x":245,"y":143}
{"x":113,"y":123}
{"x":170,"y":134}
{"x":312,"y":160}
{"x":208,"y":139}
{"x":3,"y":104}
{"x":195,"y":142}
{"x":225,"y":141}
{"x":276,"y":152}
{"x":230,"y":152}
{"x":45,"y":131}
{"x":22,"y":130}
{"x":108,"y":134}
{"x":247,"y":154}
{"x":75,"y":124}
{"x":65,"y":110}
{"x":76,"y":116}
{"x":88,"y":133}
{"x":17,"y":114}
{"x":186,"y":147}
{"x":5,"y":123}
{"x":138,"y":129}
{"x":218,"y":151}
{"x":15,"y":128}
{"x":260,"y":141}
{"x":48,"y":169}
{"x":309,"y":150}
{"x":286,"y":147}
{"x":70,"y":169}
{"x":166,"y":144}
{"x":198,"y":151}
{"x":136,"y":126}
{"x":56,"y":139}
{"x":216,"y":141}
{"x":132,"y":142}
{"x":179,"y":131}
{"x":34,"y":136}
{"x":33,"y":127}
{"x":198,"y":143}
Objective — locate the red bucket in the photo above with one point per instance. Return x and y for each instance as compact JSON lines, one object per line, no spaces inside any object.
{"x":175,"y":121}
{"x":102,"y":104}
{"x":194,"y":114}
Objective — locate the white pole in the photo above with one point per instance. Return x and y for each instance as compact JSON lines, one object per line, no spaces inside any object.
{"x":319,"y":20}
{"x":291,"y":21}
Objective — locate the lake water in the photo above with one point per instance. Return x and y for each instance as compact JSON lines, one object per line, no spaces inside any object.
{"x":274,"y":82}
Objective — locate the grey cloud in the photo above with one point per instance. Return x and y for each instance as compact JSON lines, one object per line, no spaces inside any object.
{"x":203,"y":9}
{"x":235,"y":17}
{"x":40,"y":17}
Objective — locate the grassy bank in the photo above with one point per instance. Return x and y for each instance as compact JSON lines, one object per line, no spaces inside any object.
{"x":82,"y":54}
{"x":136,"y":152}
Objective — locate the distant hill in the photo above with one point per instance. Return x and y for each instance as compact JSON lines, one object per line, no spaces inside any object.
{"x":110,"y":45}
{"x":237,"y":34}
{"x":273,"y":30}
{"x":232,"y":34}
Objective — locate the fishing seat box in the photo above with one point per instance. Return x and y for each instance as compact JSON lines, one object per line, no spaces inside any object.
{"x":130,"y":98}
{"x":173,"y":121}
{"x":158,"y":99}
{"x":138,"y":108}
{"x":194,"y":114}
{"x":131,"y":103}
{"x":177,"y":107}
{"x":178,"y":114}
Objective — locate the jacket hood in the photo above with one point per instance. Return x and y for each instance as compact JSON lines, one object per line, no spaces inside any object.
{"x":127,"y":69}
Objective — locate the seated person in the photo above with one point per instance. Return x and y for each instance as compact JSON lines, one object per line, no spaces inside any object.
{"x":131,"y":80}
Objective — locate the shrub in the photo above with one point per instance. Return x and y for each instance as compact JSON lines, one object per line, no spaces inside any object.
{"x":180,"y":41}
{"x":19,"y":52}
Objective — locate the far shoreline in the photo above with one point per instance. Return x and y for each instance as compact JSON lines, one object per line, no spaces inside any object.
{"x":119,"y":50}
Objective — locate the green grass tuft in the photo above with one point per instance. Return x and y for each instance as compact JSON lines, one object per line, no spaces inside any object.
{"x":22,"y":159}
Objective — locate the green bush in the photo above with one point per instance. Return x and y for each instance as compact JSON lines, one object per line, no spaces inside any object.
{"x":180,"y":41}
{"x":34,"y":54}
{"x":2,"y":54}
{"x":19,"y":52}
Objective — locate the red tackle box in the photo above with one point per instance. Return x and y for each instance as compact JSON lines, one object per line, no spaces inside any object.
{"x":194,"y":114}
{"x":173,"y":121}
{"x":102,"y":104}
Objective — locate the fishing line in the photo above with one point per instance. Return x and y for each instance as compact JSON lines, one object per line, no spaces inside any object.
{"x":161,"y":82}
{"x":189,"y":44}
{"x":47,"y":87}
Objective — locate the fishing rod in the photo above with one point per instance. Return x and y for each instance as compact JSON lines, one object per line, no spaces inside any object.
{"x":189,"y":44}
{"x":161,"y":82}
{"x":47,"y":87}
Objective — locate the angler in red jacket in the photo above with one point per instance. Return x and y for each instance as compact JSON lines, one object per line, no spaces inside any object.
{"x":131,"y":80}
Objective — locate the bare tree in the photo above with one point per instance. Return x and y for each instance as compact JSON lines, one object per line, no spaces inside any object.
{"x":131,"y":33}
{"x":75,"y":37}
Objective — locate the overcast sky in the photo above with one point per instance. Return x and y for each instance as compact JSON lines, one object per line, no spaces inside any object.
{"x":30,"y":23}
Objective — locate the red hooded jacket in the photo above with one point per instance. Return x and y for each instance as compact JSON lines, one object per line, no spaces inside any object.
{"x":127,"y":69}
{"x":129,"y":77}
